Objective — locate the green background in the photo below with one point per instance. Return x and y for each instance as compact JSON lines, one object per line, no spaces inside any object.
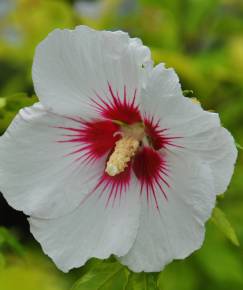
{"x":203,"y":41}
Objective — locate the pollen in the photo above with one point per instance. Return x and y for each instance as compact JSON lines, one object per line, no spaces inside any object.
{"x":124,"y":150}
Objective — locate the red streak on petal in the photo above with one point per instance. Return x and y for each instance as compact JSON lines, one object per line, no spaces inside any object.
{"x":113,"y":186}
{"x":118,"y":108}
{"x":150,"y":169}
{"x":159,"y":137}
{"x":93,"y":139}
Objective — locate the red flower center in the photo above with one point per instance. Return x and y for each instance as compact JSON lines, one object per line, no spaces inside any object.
{"x":97,"y":138}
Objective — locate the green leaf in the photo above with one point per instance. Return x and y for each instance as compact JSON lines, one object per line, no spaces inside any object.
{"x":219,"y":262}
{"x":10,"y":105}
{"x":221,"y":221}
{"x":173,"y":276}
{"x":142,"y":281}
{"x":2,"y":102}
{"x":8,"y":239}
{"x":17,"y":101}
{"x":104,"y":276}
{"x":239,"y":146}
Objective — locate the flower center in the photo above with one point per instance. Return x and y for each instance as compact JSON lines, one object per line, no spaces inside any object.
{"x":125,"y":148}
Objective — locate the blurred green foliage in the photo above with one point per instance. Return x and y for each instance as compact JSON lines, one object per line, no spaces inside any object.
{"x":9,"y":240}
{"x":220,"y":220}
{"x":203,"y":41}
{"x":104,"y":275}
{"x":34,"y":272}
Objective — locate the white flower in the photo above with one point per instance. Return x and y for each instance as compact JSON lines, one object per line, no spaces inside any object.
{"x":114,"y":159}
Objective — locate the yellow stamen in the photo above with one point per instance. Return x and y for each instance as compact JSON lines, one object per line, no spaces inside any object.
{"x":125,"y":149}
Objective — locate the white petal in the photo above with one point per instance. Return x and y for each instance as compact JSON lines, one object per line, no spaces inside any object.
{"x":177,"y":229}
{"x":92,"y":230}
{"x":71,"y":66}
{"x":163,"y":82}
{"x":36,"y":176}
{"x":217,"y":147}
{"x":162,"y":99}
{"x":200,"y":131}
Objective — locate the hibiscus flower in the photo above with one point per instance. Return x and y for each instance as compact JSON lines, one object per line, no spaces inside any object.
{"x":113,"y":159}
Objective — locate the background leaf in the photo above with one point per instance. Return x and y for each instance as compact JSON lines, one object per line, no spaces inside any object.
{"x":142,"y":281}
{"x":221,"y":221}
{"x":9,"y":240}
{"x":239,"y":146}
{"x":104,"y":276}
